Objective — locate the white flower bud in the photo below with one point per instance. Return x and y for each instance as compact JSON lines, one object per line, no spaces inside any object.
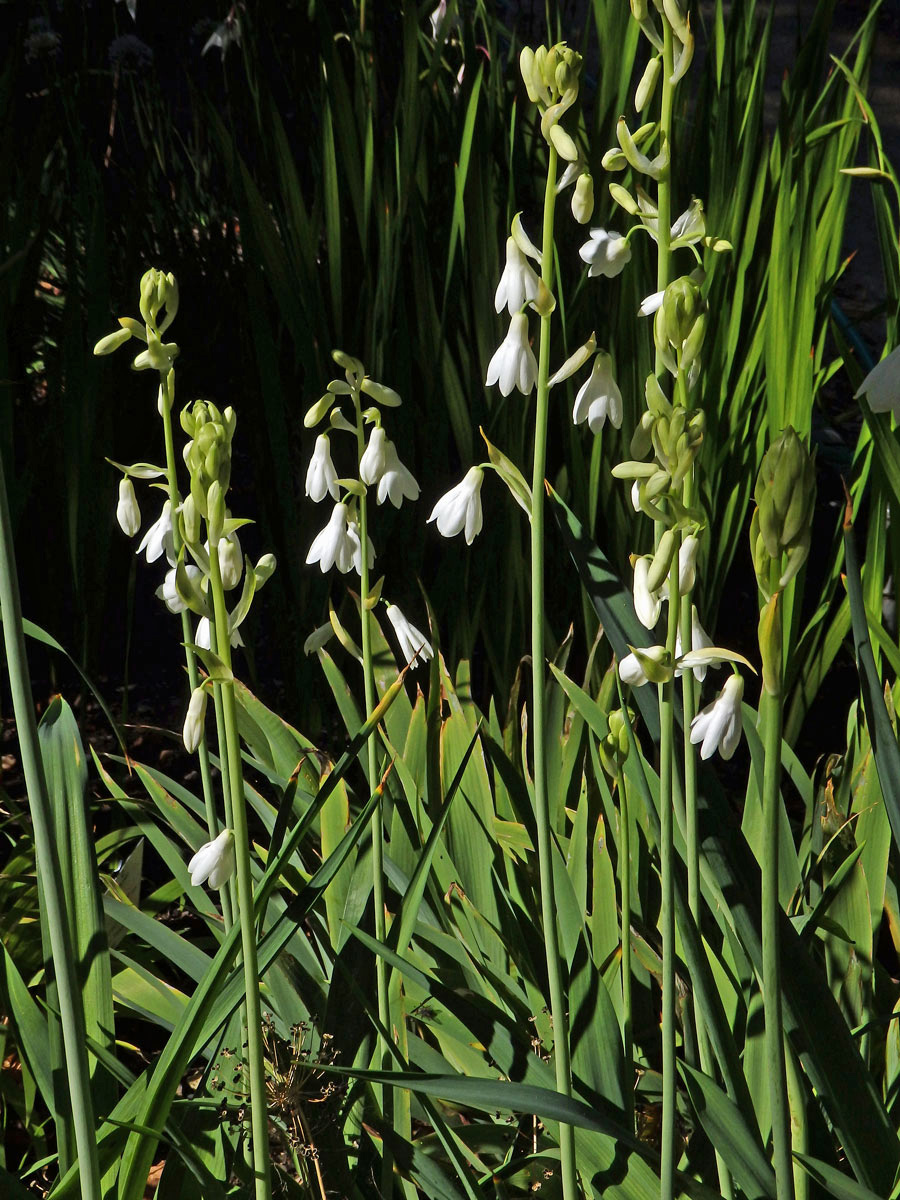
{"x":127,"y":512}
{"x":194,"y":722}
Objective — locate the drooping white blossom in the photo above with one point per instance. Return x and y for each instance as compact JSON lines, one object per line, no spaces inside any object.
{"x":321,"y":477}
{"x":513,"y":364}
{"x":396,"y":483}
{"x":203,"y":639}
{"x":373,"y":463}
{"x":460,"y":508}
{"x":518,"y":283}
{"x":599,"y":397}
{"x":718,"y":726}
{"x":881,"y":387}
{"x":214,"y":861}
{"x":414,"y":646}
{"x":334,"y":545}
{"x":168,"y":592}
{"x":159,"y":539}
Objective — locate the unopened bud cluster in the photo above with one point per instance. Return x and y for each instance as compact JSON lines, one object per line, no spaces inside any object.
{"x":158,"y":306}
{"x":552,"y":76}
{"x":785,"y":495}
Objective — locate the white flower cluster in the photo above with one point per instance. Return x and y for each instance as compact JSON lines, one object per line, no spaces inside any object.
{"x":339,"y":544}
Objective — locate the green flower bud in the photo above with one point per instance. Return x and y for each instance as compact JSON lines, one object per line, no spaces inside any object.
{"x":647,"y":86}
{"x":215,"y":513}
{"x":583,"y":199}
{"x":662,"y":560}
{"x":190,"y":521}
{"x":613,"y":749}
{"x":563,"y":143}
{"x":527,"y":68}
{"x":785,"y":495}
{"x":680,"y":324}
{"x":112,"y":341}
{"x":264,"y":569}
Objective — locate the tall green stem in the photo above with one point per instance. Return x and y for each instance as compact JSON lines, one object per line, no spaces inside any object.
{"x":625,"y":886}
{"x":376,"y":825}
{"x":558,"y":1012}
{"x":667,"y":914}
{"x":67,"y":986}
{"x":259,"y":1120}
{"x":771,"y":716}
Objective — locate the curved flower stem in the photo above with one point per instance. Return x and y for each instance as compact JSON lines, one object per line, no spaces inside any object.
{"x":771,"y":715}
{"x":187,"y":633}
{"x":68,"y":988}
{"x":558,"y":1012}
{"x":259,"y":1120}
{"x":376,"y":825}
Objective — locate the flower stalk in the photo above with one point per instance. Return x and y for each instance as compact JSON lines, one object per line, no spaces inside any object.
{"x":259,"y":1121}
{"x":558,"y":1008}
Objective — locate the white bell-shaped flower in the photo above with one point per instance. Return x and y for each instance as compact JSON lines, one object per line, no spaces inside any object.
{"x":321,"y":477}
{"x":599,"y":397}
{"x":168,"y":593}
{"x":159,"y":539}
{"x":203,"y":639}
{"x":373,"y":463}
{"x":631,"y":671}
{"x":647,"y":604}
{"x":881,"y":387}
{"x":718,"y":726}
{"x":214,"y":861}
{"x":414,"y":646}
{"x":396,"y":483}
{"x":128,"y":514}
{"x":519,"y":282}
{"x":514,"y":364}
{"x":606,"y":253}
{"x":460,"y":508}
{"x":334,"y":545}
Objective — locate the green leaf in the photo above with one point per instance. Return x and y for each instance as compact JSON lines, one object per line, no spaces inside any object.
{"x":726,"y":1129}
